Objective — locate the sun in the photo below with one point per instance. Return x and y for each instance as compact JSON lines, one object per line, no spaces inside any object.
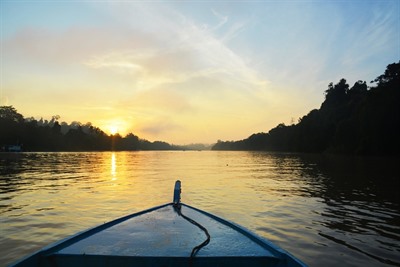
{"x":113,"y":129}
{"x":114,"y":126}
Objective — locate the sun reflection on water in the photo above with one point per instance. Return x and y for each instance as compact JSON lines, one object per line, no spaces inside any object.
{"x":301,"y":202}
{"x":113,"y":167}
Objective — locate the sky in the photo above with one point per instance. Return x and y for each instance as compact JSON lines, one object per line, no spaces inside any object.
{"x":188,"y":71}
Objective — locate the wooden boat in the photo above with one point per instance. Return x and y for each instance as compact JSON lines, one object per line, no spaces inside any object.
{"x":173,"y":234}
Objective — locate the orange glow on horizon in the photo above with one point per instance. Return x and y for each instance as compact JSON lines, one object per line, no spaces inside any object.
{"x":115,"y":126}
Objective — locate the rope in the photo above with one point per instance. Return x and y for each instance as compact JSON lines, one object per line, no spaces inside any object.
{"x":196,"y":249}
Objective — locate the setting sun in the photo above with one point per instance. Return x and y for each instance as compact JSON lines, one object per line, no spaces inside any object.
{"x":194,"y":73}
{"x":114,"y":126}
{"x":113,"y":129}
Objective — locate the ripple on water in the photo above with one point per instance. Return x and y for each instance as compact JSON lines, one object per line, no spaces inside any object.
{"x":326,"y":211}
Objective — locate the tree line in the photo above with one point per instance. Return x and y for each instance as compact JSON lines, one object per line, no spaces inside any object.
{"x":51,"y":135}
{"x":359,"y":120}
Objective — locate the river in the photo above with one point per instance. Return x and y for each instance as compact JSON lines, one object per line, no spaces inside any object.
{"x":325,"y":210}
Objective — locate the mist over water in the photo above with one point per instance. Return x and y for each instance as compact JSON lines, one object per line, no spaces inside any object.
{"x":326,"y":210}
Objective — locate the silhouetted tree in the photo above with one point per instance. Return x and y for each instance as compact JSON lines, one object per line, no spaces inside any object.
{"x":11,"y":129}
{"x":9,"y":113}
{"x":356,"y":120}
{"x":131,"y":142}
{"x":335,"y":94}
{"x":51,"y":135}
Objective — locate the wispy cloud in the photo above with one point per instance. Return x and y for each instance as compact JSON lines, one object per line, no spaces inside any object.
{"x":222,"y":19}
{"x":188,"y":50}
{"x":173,"y":70}
{"x":121,"y":62}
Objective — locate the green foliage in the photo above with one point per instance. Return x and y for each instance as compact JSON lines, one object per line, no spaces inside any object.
{"x":357,"y":120}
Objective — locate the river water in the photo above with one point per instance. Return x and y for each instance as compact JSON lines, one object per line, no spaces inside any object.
{"x":325,"y":210}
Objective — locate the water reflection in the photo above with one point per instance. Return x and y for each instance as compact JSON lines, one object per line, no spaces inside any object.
{"x":361,"y":198}
{"x":325,"y":210}
{"x":113,"y":167}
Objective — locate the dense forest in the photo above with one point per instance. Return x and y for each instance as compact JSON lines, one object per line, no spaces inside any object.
{"x":360,"y":120}
{"x":51,"y":135}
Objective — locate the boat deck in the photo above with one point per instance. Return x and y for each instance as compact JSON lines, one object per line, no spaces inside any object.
{"x":162,"y":232}
{"x":162,"y":237}
{"x":167,"y":235}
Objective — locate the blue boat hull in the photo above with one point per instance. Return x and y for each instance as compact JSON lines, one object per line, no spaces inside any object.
{"x":162,"y":237}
